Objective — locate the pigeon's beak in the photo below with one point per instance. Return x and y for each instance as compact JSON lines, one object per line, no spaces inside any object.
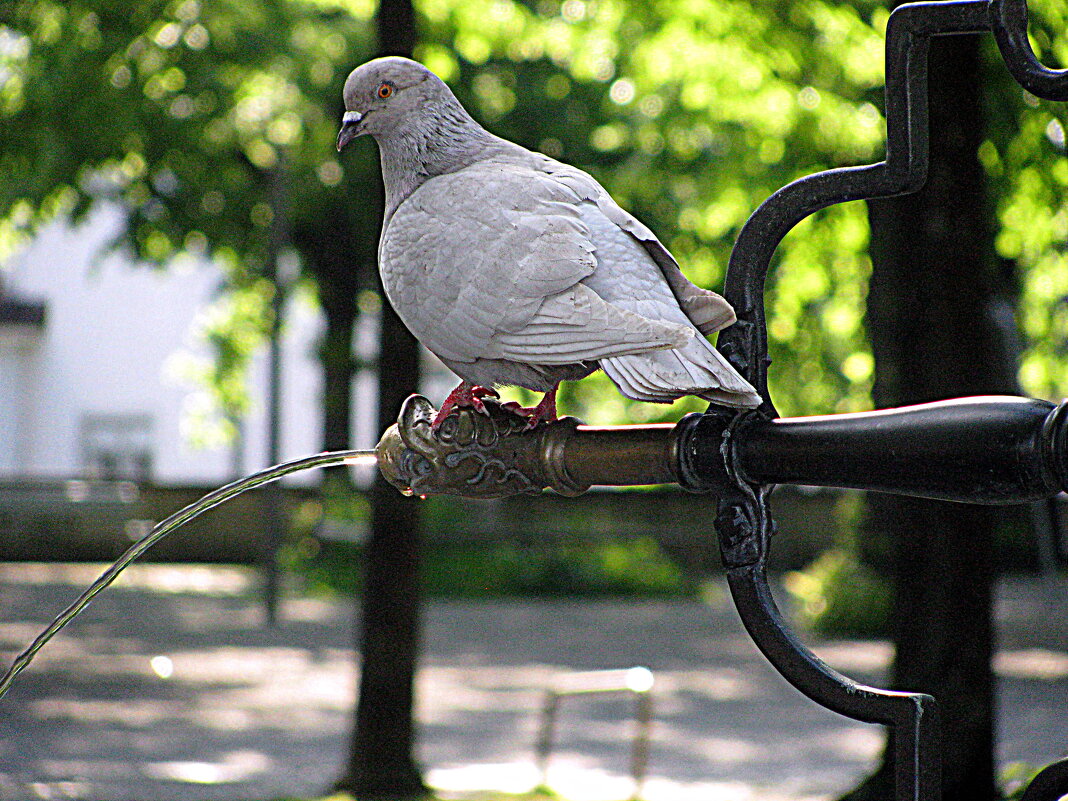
{"x":350,"y":128}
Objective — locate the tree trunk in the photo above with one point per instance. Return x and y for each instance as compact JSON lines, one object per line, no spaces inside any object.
{"x":339,"y":308}
{"x":936,"y":286}
{"x":381,"y":762}
{"x":340,"y":261}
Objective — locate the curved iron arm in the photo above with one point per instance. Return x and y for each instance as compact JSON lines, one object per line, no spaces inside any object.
{"x":904,"y":170}
{"x":908,"y":32}
{"x":1049,"y":784}
{"x":914,"y":716}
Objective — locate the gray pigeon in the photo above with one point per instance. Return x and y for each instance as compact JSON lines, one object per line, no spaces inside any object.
{"x":518,"y":270}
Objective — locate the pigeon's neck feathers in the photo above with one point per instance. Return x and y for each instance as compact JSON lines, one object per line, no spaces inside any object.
{"x":439,"y":140}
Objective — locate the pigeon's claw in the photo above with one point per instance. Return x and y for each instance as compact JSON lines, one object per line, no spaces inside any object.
{"x":477,"y":394}
{"x":465,"y":396}
{"x":545,"y":411}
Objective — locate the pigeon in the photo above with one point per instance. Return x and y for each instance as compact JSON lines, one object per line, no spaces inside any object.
{"x":516,"y":269}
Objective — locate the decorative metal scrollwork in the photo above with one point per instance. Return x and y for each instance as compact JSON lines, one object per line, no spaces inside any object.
{"x":477,"y":455}
{"x":1008,"y":21}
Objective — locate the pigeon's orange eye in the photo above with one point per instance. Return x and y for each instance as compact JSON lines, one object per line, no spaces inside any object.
{"x":385,"y":90}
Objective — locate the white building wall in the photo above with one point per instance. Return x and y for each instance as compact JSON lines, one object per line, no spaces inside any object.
{"x":18,"y":354}
{"x":108,"y":347}
{"x":301,"y":392}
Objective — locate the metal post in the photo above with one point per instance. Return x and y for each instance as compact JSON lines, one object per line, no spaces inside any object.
{"x":639,"y":759}
{"x":637,"y":681}
{"x":546,"y":730}
{"x":272,"y":494}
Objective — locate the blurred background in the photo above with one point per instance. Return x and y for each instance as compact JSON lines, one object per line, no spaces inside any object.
{"x":188,"y":293}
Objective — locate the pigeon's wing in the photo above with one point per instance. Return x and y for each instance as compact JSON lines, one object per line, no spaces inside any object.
{"x":633,"y":275}
{"x":487,"y":262}
{"x":628,"y":277}
{"x":707,"y":310}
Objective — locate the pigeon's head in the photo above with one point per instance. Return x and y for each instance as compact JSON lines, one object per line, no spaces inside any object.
{"x":384,"y":94}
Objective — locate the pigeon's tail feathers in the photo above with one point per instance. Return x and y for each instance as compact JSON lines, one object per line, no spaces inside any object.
{"x":707,"y":310}
{"x":697,"y":368}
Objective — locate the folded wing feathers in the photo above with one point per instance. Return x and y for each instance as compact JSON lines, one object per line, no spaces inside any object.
{"x":578,"y":325}
{"x":708,"y":311}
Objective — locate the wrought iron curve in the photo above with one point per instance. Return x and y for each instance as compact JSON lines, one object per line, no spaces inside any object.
{"x":1008,"y":21}
{"x":1049,"y":784}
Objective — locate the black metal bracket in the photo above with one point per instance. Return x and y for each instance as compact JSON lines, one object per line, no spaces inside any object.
{"x":744,"y":520}
{"x":990,"y":450}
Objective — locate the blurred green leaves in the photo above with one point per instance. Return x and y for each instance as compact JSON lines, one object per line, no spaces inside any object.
{"x":1027,"y":161}
{"x":192,"y":115}
{"x":210,"y":124}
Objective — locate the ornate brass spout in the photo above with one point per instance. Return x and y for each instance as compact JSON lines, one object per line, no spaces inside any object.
{"x":494,"y":455}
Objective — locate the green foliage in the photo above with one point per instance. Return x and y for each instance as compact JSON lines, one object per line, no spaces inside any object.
{"x":635,"y":568}
{"x":596,"y":568}
{"x":1016,"y":777}
{"x":838,"y":596}
{"x":210,"y":124}
{"x":182,"y":112}
{"x":1025,"y":156}
{"x":213,"y":123}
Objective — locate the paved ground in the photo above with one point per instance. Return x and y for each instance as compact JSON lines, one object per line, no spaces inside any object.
{"x":169,"y":688}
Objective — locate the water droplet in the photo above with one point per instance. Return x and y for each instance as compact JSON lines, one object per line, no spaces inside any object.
{"x":422,"y":497}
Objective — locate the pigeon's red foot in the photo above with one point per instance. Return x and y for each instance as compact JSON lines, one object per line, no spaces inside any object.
{"x":465,"y":396}
{"x":545,"y":411}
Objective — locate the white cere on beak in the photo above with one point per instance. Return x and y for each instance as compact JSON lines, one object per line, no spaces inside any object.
{"x":349,"y":120}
